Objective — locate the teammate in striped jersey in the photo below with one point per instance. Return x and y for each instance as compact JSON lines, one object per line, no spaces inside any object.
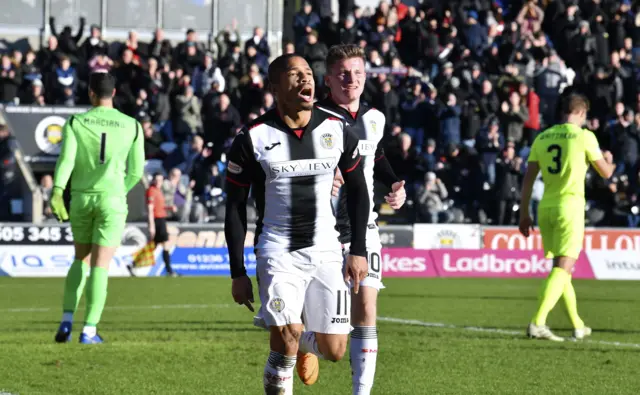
{"x":346,"y":78}
{"x":288,"y":157}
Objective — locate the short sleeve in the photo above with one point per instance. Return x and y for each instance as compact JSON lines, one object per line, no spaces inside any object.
{"x":350,"y":156}
{"x":591,"y":146}
{"x":240,"y":160}
{"x":149,"y":196}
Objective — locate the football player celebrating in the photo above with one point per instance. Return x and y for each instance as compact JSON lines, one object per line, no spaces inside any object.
{"x":290,"y":155}
{"x":346,"y":78}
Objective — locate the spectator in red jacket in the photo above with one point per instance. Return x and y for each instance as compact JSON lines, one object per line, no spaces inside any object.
{"x":532,"y":101}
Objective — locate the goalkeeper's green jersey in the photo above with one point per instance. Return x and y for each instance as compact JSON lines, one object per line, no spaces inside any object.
{"x":102,"y":151}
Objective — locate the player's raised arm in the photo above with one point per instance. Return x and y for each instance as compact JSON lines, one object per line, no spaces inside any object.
{"x":602,"y":163}
{"x":135,"y":160}
{"x":67,"y":159}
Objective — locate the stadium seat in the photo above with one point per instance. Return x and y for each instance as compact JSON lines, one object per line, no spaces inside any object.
{"x":168,"y":147}
{"x":153,"y":166}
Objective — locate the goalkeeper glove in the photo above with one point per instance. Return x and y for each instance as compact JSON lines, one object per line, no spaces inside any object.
{"x":57,"y":205}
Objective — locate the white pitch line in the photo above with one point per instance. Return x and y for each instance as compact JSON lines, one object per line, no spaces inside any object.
{"x":490,"y":330}
{"x":386,"y":319}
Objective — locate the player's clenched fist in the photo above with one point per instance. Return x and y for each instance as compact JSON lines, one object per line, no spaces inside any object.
{"x":356,"y":270}
{"x":338,"y":181}
{"x":242,"y":291}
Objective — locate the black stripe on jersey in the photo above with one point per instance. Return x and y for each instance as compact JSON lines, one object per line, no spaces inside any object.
{"x":103,"y":144}
{"x":303,"y":196}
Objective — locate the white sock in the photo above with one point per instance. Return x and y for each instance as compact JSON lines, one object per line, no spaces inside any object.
{"x":90,"y":331}
{"x":67,"y":316}
{"x":278,"y":374}
{"x":364,"y":352}
{"x":309,"y":344}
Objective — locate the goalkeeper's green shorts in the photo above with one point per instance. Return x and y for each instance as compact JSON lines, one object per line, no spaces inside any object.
{"x":98,"y":219}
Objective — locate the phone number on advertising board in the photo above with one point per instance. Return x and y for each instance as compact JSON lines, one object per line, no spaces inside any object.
{"x":35,"y":234}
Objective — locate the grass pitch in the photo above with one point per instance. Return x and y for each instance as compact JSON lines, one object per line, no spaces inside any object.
{"x":438,"y":336}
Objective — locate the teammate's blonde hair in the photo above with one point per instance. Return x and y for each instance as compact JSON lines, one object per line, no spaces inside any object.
{"x":341,"y":52}
{"x":575,"y":103}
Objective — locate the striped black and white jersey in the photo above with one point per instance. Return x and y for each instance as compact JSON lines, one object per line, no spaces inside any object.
{"x":291,"y":174}
{"x":368,"y":124}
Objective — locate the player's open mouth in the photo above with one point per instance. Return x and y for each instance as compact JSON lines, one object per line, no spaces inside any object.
{"x":306,"y":94}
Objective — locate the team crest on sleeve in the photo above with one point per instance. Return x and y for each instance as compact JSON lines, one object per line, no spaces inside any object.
{"x":234,"y":168}
{"x":355,"y":153}
{"x":326,"y":141}
{"x":277,"y":305}
{"x":374,"y":126}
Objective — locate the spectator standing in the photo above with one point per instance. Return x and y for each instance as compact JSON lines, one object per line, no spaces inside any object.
{"x":10,"y":81}
{"x":94,"y":45}
{"x":304,"y":22}
{"x":315,"y":53}
{"x":430,"y":199}
{"x":508,"y":175}
{"x":157,"y":221}
{"x":177,"y":196}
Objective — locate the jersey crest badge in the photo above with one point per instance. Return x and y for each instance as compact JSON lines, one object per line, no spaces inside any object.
{"x":277,"y":305}
{"x":374,"y":126}
{"x":234,"y":168}
{"x":326,"y":141}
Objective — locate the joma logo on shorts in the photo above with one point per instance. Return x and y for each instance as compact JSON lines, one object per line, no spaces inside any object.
{"x":338,"y":320}
{"x":301,"y":168}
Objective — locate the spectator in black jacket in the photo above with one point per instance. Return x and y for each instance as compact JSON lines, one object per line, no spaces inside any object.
{"x":68,"y":42}
{"x":94,"y":44}
{"x":10,"y":80}
{"x":508,"y":174}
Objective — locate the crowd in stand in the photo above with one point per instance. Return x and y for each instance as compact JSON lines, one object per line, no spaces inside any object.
{"x":465,"y":87}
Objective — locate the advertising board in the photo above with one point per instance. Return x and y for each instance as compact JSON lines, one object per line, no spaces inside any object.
{"x":500,"y":263}
{"x":456,"y":236}
{"x":621,"y":265}
{"x":509,"y":238}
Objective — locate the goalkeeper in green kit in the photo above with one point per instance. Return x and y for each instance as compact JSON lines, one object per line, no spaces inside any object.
{"x":103,"y":154}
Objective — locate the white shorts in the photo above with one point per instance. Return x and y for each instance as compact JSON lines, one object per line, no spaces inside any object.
{"x":305,"y":282}
{"x":374,"y":258}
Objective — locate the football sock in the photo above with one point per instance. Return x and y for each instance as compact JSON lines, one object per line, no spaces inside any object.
{"x":73,"y":287}
{"x":90,"y":330}
{"x":309,"y":344}
{"x":552,"y":289}
{"x":278,"y":374}
{"x":570,"y":302}
{"x":166,"y":257}
{"x":364,"y":352}
{"x":96,"y":295}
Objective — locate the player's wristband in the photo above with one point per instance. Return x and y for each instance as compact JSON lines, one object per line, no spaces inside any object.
{"x":238,"y":272}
